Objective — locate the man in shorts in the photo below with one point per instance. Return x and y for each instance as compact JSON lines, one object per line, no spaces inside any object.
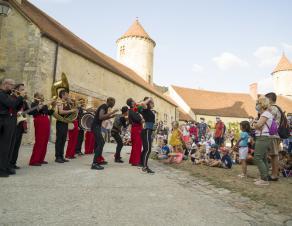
{"x":275,"y":139}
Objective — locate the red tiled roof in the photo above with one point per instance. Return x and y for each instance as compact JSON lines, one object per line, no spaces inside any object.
{"x":58,"y":33}
{"x":238,"y":105}
{"x":136,"y":30}
{"x":283,"y":65}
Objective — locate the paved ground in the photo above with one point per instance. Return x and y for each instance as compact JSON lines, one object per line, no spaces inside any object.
{"x":72,"y":194}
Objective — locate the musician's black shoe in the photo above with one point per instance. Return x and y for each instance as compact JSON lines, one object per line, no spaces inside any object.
{"x":65,"y":160}
{"x":96,"y":166}
{"x":119,"y":161}
{"x":59,"y":160}
{"x":103,"y":163}
{"x":15,"y":167}
{"x":147,"y":170}
{"x":44,"y":162}
{"x":11,"y":171}
{"x":4,"y":174}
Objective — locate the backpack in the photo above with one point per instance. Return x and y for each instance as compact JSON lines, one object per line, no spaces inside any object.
{"x":283,"y":128}
{"x":273,"y":129}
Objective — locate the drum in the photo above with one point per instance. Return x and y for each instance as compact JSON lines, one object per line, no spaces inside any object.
{"x":86,"y":121}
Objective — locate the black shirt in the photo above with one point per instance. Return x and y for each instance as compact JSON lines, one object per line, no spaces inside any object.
{"x":9,"y":104}
{"x":134,"y":117}
{"x":43,"y":111}
{"x":148,"y":115}
{"x":97,"y":120}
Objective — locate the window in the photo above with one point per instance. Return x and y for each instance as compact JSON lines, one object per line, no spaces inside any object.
{"x":122,"y":50}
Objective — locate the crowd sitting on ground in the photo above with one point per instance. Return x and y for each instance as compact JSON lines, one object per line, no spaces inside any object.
{"x":264,"y":141}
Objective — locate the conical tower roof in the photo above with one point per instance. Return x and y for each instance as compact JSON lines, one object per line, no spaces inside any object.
{"x":136,"y":30}
{"x":283,"y":65}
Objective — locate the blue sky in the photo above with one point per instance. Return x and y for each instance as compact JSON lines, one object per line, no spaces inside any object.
{"x":221,"y":45}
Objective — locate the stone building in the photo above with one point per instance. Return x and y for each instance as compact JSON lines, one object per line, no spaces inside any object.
{"x":36,"y":49}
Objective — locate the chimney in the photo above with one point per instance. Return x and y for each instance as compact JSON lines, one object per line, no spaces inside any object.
{"x":253,"y":90}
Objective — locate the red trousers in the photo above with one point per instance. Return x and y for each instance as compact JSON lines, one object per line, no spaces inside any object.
{"x":42,"y":134}
{"x":89,"y":142}
{"x":73,"y":139}
{"x":136,"y":140}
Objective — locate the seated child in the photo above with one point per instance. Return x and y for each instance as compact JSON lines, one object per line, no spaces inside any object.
{"x":214,"y":156}
{"x":226,"y":160}
{"x":176,"y":142}
{"x":164,"y":151}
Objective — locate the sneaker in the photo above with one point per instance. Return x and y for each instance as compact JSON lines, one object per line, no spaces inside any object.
{"x":257,"y":179}
{"x":272,"y":179}
{"x":147,"y":170}
{"x":96,"y":166}
{"x":44,"y":162}
{"x":261,"y":183}
{"x":242,"y":176}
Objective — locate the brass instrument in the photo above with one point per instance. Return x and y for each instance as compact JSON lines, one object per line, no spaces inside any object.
{"x":63,"y":84}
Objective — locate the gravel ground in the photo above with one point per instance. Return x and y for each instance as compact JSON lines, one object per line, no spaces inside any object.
{"x":72,"y":194}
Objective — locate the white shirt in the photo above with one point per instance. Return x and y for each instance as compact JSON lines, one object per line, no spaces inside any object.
{"x":265,"y":129}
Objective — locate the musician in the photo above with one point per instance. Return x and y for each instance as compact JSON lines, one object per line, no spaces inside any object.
{"x":80,"y":130}
{"x":119,"y":123}
{"x":7,"y":124}
{"x":73,"y":137}
{"x":42,"y":129}
{"x":63,"y":108}
{"x":149,"y":118}
{"x":21,"y":127}
{"x":101,"y":115}
{"x":136,"y":120}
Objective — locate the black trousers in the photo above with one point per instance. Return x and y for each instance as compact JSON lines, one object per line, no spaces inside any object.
{"x":219,"y":140}
{"x":7,"y":132}
{"x":99,"y":142}
{"x":80,"y":141}
{"x":147,"y":145}
{"x":61,"y":138}
{"x":17,"y":142}
{"x":118,"y":139}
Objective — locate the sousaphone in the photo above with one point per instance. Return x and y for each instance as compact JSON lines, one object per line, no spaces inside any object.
{"x":63,"y":84}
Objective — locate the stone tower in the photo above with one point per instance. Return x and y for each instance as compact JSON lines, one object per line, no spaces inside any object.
{"x":135,"y":50}
{"x":282,"y":77}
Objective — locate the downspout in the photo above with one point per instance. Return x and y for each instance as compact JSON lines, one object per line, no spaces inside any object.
{"x":56,"y":62}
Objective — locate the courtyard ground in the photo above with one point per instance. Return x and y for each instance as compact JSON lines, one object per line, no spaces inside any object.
{"x":72,"y":194}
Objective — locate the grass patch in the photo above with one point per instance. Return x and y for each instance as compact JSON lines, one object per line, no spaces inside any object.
{"x":277,"y":194}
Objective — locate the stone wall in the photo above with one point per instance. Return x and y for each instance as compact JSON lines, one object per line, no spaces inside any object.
{"x":103,"y":83}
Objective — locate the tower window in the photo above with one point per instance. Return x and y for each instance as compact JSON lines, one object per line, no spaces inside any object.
{"x":122,"y":50}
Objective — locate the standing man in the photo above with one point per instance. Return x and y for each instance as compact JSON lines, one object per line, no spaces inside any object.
{"x":119,"y":123}
{"x":7,"y":124}
{"x":63,"y":108}
{"x":202,"y":128}
{"x":101,"y":115}
{"x":149,"y":118}
{"x":275,"y":139}
{"x":21,"y":127}
{"x":219,"y":131}
{"x":42,"y":129}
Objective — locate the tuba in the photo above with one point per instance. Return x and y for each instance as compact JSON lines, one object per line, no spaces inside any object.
{"x":63,"y":84}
